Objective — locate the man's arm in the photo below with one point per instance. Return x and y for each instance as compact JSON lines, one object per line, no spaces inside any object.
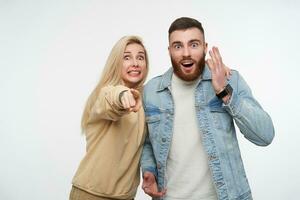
{"x":254,"y":123}
{"x":149,"y":171}
{"x":148,"y":159}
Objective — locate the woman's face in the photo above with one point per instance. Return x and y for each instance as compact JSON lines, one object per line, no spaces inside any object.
{"x":134,"y":65}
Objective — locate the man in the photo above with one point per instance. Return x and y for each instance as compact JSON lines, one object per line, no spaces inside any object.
{"x":191,"y":151}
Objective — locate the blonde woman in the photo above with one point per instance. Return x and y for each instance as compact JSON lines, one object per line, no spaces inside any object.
{"x":113,"y":122}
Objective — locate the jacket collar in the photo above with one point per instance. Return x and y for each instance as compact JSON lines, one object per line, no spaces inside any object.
{"x":167,"y":78}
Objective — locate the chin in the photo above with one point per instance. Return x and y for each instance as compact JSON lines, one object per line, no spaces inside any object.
{"x":135,"y":83}
{"x":187,"y":76}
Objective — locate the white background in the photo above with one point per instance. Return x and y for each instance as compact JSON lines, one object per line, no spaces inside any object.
{"x":52,"y":53}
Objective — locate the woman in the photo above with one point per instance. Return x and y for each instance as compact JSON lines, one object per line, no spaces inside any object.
{"x":113,"y":123}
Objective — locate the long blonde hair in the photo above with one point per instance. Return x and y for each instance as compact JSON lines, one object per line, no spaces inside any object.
{"x":111,"y":74}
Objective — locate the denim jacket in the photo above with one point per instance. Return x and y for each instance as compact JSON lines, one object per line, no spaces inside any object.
{"x":215,"y":122}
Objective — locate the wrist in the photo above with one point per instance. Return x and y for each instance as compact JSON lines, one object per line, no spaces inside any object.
{"x":121,"y":95}
{"x":220,"y":90}
{"x":226,"y":91}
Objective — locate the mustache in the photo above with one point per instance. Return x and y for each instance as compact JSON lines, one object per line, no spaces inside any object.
{"x":190,"y":58}
{"x":187,"y":58}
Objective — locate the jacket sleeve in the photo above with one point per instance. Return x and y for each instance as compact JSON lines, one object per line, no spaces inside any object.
{"x":107,"y":105}
{"x":254,"y":123}
{"x":148,"y":162}
{"x":148,"y":159}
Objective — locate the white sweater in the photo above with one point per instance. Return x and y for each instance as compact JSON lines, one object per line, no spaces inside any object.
{"x":188,"y":174}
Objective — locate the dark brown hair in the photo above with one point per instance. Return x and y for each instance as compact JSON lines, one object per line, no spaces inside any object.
{"x":183,"y":23}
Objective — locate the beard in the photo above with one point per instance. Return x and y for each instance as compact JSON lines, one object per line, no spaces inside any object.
{"x":189,"y":77}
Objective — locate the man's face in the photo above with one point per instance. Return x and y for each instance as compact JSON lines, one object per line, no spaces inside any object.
{"x":187,"y":50}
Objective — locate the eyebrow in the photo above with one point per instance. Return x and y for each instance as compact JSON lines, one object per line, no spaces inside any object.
{"x":195,"y":40}
{"x":142,"y":52}
{"x":190,"y":41}
{"x":176,"y":42}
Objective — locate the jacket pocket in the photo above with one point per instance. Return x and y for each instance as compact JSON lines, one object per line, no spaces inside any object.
{"x":221,"y":118}
{"x":153,"y":123}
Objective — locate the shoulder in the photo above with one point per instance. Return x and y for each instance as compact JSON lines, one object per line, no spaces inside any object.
{"x":237,"y":81}
{"x":235,"y":76}
{"x":235,"y":73}
{"x":153,"y":83}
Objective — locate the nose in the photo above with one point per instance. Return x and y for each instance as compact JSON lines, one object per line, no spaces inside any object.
{"x":135,"y":62}
{"x":186,"y":51}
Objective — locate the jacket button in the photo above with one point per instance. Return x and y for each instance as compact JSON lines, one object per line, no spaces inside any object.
{"x":163,"y":140}
{"x":211,"y":157}
{"x":158,"y":166}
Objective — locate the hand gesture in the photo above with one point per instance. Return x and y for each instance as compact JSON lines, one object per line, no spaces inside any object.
{"x":150,"y":186}
{"x":219,"y":71}
{"x":131,"y":100}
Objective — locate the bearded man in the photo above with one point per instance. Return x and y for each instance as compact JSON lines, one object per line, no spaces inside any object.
{"x":191,"y":151}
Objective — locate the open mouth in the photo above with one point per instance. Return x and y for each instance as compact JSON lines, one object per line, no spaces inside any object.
{"x":187,"y":63}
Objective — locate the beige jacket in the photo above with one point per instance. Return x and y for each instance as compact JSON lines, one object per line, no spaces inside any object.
{"x":114,"y":139}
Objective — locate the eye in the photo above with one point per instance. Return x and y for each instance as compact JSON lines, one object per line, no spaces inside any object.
{"x":141,"y":58}
{"x":194,"y":45}
{"x":177,"y":46}
{"x":126,"y":57}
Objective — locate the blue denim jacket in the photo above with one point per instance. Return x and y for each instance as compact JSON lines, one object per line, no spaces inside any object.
{"x":215,"y":121}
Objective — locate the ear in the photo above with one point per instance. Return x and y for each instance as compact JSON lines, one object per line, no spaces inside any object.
{"x":169,"y":50}
{"x":205,"y":47}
